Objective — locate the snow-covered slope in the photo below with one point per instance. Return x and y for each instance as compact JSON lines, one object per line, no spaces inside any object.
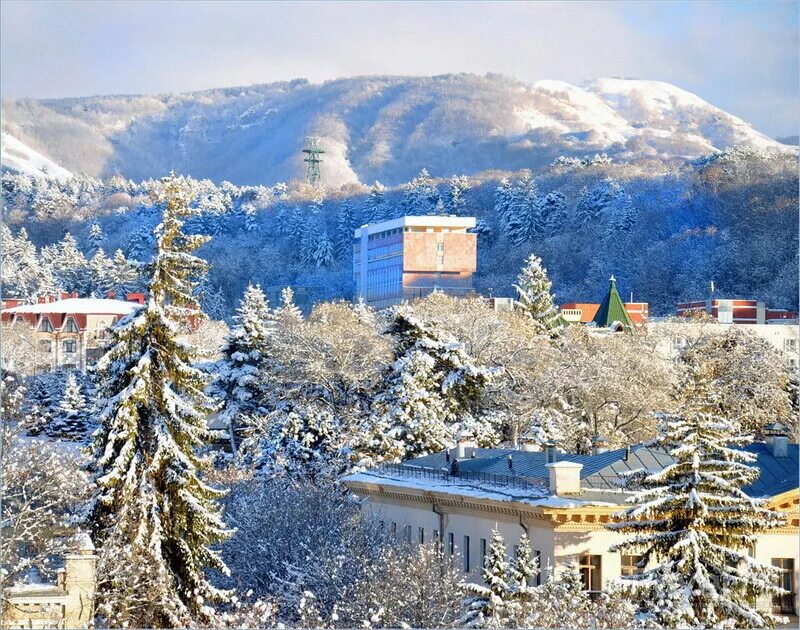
{"x":17,"y":156}
{"x":384,"y":128}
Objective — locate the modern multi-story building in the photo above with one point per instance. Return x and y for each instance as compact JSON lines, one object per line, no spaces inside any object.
{"x":410,"y":257}
{"x":737,"y":311}
{"x":563,"y":503}
{"x":67,"y":333}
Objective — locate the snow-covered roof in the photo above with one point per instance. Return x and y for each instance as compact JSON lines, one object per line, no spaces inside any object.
{"x":452,"y":222}
{"x":92,"y":306}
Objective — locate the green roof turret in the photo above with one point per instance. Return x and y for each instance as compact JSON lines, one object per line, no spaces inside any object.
{"x":612,"y":310}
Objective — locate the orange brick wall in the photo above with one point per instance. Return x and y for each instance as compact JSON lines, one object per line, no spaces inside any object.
{"x":419,"y":251}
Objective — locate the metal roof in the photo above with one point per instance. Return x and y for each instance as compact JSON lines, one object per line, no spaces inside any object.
{"x":603,"y":471}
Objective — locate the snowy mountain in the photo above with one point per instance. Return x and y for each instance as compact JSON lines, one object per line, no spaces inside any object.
{"x":384,"y":128}
{"x":18,"y":157}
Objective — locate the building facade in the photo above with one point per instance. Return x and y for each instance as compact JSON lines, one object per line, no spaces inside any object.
{"x":563,"y":503}
{"x":69,"y":603}
{"x":410,"y":257}
{"x":737,"y":311}
{"x":66,"y":332}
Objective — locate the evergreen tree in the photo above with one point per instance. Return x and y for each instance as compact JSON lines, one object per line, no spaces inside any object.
{"x":503,"y":197}
{"x":376,"y":209}
{"x":140,"y":245}
{"x":524,"y":216}
{"x":288,"y":312}
{"x":421,"y":196}
{"x":245,"y":354}
{"x":152,"y":515}
{"x":554,"y":212}
{"x":623,"y":216}
{"x":534,"y":288}
{"x":524,"y":567}
{"x":459,"y":186}
{"x":71,"y":420}
{"x":561,"y":602}
{"x":70,"y":266}
{"x":492,"y":605}
{"x":692,"y":519}
{"x":96,"y":237}
{"x":346,"y":224}
{"x":593,"y":205}
{"x":101,"y":267}
{"x":212,"y":301}
{"x":432,"y":387}
{"x":123,"y":275}
{"x":250,"y":217}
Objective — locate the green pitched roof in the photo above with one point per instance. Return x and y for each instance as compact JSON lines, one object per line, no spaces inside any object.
{"x":612,"y":309}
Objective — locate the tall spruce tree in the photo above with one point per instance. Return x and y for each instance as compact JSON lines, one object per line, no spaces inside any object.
{"x":534,"y":288}
{"x":244,"y":356}
{"x":152,"y":515}
{"x":693,"y":522}
{"x":71,"y":420}
{"x":491,"y":605}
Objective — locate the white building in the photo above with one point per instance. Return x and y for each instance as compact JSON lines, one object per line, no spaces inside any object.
{"x":562,"y":501}
{"x":412,"y":256}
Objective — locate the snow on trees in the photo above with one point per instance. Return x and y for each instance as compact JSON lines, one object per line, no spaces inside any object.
{"x":288,"y":310}
{"x":492,"y":604}
{"x":71,"y":421}
{"x":524,"y":221}
{"x":237,"y":383}
{"x":459,"y":186}
{"x":534,"y":289}
{"x":97,"y":237}
{"x":692,"y":522}
{"x":376,"y":209}
{"x":152,"y":515}
{"x":421,"y":195}
{"x":346,"y":224}
{"x":432,"y":391}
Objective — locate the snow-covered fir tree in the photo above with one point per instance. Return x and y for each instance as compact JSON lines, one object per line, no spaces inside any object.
{"x":592,"y":205}
{"x":421,"y":196}
{"x":524,"y":567}
{"x":97,"y":237}
{"x":622,"y":216}
{"x":71,"y":421}
{"x":554,"y":212}
{"x":288,"y":311}
{"x":561,"y":602}
{"x":123,"y":276}
{"x":503,"y":197}
{"x":432,"y":387}
{"x":376,"y":208}
{"x":102,"y":268}
{"x":457,"y":202}
{"x":237,"y":383}
{"x":694,"y":521}
{"x":494,"y":603}
{"x":250,"y":214}
{"x":152,"y":515}
{"x":534,"y":289}
{"x":69,"y":265}
{"x":524,"y":220}
{"x":212,"y":301}
{"x":346,"y":224}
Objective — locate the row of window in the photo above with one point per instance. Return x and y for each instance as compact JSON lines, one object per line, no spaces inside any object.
{"x":590,"y":565}
{"x":68,"y":346}
{"x":71,"y":327}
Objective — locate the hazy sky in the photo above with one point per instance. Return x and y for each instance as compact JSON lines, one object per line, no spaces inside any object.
{"x":738,"y":55}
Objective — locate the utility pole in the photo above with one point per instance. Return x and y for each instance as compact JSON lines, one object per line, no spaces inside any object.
{"x":312,"y":151}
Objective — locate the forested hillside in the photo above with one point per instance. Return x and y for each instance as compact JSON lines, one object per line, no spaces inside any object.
{"x":664,"y":228}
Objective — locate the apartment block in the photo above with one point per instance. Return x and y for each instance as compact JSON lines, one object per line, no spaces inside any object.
{"x":737,"y":311}
{"x":411,"y":257}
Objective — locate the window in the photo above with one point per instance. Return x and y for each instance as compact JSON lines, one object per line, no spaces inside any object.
{"x":45,"y":325}
{"x":407,"y":533}
{"x":537,"y":580}
{"x":70,"y":326}
{"x":101,"y":330}
{"x":69,"y":346}
{"x":483,"y":552}
{"x":590,"y":573}
{"x":421,"y":535}
{"x":393,"y":530}
{"x":45,"y":345}
{"x":784,"y":604}
{"x":440,"y":248}
{"x":435,"y":535}
{"x":630,"y":565}
{"x":465,"y":553}
{"x":790,"y":345}
{"x":451,"y":543}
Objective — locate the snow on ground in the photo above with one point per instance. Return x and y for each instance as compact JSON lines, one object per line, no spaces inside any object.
{"x":18,"y":156}
{"x":535,"y":497}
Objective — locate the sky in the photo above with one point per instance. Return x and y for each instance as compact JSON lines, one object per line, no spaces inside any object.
{"x":740,"y":56}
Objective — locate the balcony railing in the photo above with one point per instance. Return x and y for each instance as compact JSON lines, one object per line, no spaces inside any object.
{"x":473,"y":477}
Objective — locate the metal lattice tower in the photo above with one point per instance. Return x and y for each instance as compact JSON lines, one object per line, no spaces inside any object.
{"x":313,"y":160}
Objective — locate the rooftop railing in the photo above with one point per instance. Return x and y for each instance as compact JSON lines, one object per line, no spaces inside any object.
{"x":470,"y":477}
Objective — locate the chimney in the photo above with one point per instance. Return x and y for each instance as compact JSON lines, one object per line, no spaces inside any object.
{"x":627,"y":454}
{"x":510,"y":459}
{"x":461,"y":450}
{"x":565,"y":477}
{"x":79,"y":581}
{"x":74,"y":294}
{"x":455,"y":467}
{"x":135,"y":297}
{"x":447,"y":456}
{"x":777,"y":437}
{"x":42,"y":299}
{"x":599,"y":445}
{"x":551,"y":455}
{"x":111,"y":294}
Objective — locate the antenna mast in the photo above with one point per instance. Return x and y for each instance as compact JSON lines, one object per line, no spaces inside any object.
{"x":313,"y":160}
